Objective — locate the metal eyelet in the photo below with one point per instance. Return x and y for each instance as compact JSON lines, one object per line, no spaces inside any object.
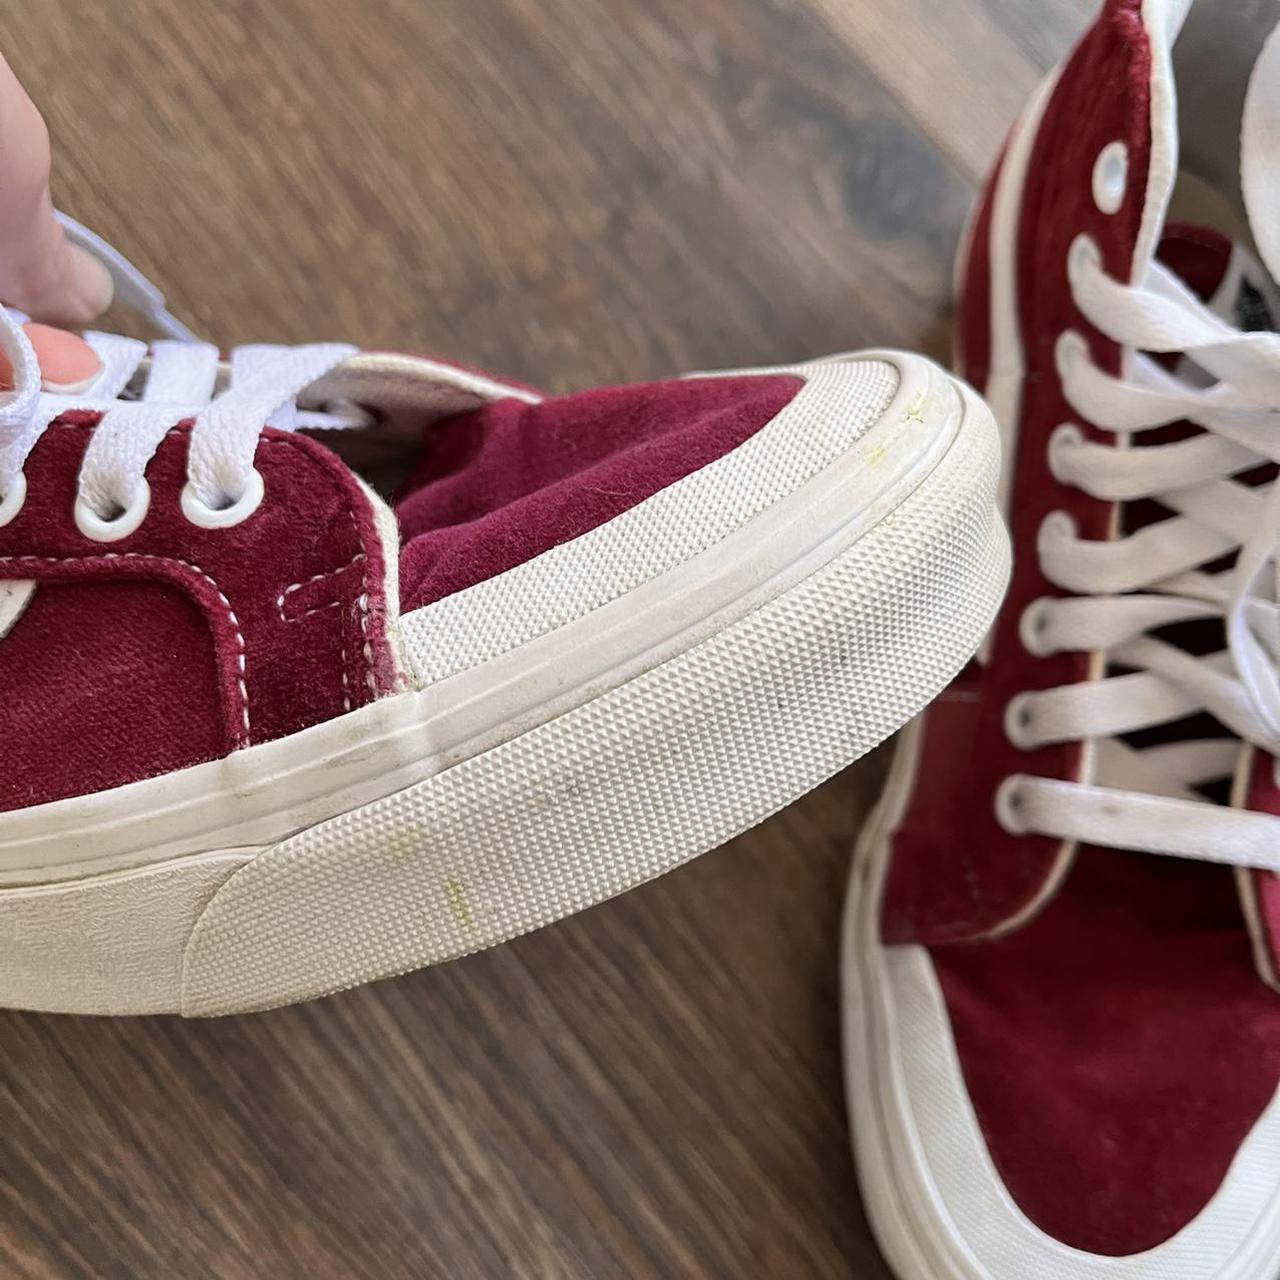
{"x":1111,"y":177}
{"x":12,"y":501}
{"x":1010,"y":806}
{"x":102,"y":528}
{"x":1018,"y":721}
{"x":199,"y":513}
{"x":1057,"y":526}
{"x":1065,"y":438}
{"x":1070,"y":348}
{"x":1032,"y":626}
{"x":1083,"y":256}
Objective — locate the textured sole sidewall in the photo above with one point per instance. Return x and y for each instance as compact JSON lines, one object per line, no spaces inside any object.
{"x":687,"y":753}
{"x":643,"y":778}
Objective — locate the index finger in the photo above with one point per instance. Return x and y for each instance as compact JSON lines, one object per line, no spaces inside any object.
{"x":39,"y":272}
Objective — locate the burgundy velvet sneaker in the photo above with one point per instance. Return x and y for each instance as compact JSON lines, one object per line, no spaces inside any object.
{"x":264,"y":739}
{"x":1063,"y":927}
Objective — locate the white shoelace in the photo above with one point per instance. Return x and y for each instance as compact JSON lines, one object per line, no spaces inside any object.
{"x":1127,"y":588}
{"x":223,"y":486}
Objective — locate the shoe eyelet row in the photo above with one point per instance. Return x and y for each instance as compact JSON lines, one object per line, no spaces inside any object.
{"x":112,"y":528}
{"x":1110,"y":184}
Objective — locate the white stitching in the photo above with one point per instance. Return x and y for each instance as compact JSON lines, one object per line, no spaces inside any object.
{"x":362,"y":603}
{"x":316,"y":577}
{"x":186,"y":564}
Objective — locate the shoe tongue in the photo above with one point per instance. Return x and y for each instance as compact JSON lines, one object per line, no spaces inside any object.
{"x":1260,"y":154}
{"x":1226,"y":276}
{"x":1215,"y":112}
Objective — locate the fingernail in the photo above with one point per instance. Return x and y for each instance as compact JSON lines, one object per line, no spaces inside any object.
{"x":68,"y":364}
{"x":92,"y":282}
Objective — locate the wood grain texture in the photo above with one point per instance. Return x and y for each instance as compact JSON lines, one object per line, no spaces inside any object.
{"x":569,"y":192}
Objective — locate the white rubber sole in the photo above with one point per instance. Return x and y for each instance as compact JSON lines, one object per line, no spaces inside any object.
{"x":698,"y":742}
{"x":905,"y":1214}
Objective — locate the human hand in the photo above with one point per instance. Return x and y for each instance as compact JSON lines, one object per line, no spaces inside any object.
{"x":40,"y":273}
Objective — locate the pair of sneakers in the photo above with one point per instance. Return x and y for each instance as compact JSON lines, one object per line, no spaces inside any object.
{"x":321,"y":665}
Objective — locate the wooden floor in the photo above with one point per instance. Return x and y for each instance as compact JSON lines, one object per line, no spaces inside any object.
{"x":568,"y":192}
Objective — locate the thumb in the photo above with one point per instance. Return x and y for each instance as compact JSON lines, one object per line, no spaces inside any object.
{"x":40,"y":273}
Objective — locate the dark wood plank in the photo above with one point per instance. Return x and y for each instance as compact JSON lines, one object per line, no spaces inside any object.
{"x":568,"y":191}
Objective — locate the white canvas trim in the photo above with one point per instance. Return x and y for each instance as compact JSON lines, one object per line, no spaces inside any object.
{"x":838,"y":401}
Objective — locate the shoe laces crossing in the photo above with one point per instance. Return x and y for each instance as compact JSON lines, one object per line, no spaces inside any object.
{"x":161,"y":385}
{"x":1124,"y":591}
